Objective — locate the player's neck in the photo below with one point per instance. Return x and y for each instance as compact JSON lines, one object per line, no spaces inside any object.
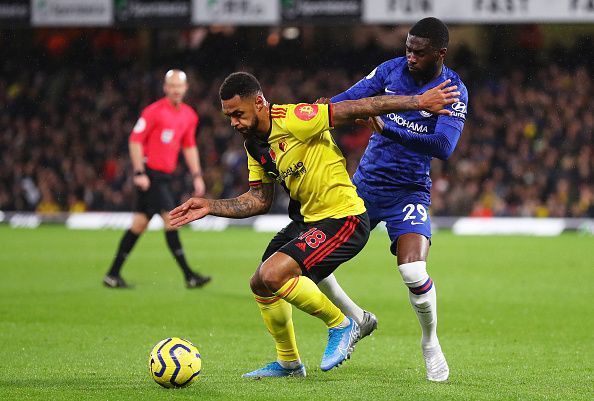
{"x":426,"y":78}
{"x":264,"y":123}
{"x":175,"y":105}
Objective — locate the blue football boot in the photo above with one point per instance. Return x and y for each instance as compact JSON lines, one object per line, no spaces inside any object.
{"x":341,"y":343}
{"x":274,"y":369}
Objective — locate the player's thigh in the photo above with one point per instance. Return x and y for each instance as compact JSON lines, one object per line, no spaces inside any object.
{"x":140,"y":222}
{"x":327,"y":244}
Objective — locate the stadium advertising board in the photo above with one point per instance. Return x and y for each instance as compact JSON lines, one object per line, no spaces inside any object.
{"x":14,"y":13}
{"x":238,"y":12}
{"x":153,"y":12}
{"x":327,"y":11}
{"x":478,"y":11}
{"x":72,"y":12}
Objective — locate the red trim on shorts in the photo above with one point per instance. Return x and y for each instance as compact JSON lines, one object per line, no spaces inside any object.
{"x":255,"y":183}
{"x":342,"y":236}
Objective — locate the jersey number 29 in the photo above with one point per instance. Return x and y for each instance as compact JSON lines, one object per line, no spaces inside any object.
{"x":410,"y":209}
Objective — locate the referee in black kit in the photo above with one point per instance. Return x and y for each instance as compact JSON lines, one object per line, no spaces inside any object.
{"x":164,"y":128}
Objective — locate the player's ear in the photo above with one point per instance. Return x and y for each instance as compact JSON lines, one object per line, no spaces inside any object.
{"x":260,"y":102}
{"x":442,"y":52}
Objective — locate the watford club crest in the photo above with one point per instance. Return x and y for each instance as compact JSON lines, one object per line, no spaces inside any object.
{"x":306,"y":112}
{"x":282,"y":146}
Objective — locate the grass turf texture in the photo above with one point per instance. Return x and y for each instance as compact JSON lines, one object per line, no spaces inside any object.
{"x":516,"y":320}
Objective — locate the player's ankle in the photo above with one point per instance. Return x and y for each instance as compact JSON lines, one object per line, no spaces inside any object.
{"x":290,"y":364}
{"x":428,"y":344}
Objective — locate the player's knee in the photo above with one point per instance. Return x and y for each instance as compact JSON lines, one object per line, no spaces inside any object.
{"x":255,"y":283}
{"x":139,"y":225}
{"x":136,"y":229}
{"x":272,"y":277}
{"x":414,"y":273}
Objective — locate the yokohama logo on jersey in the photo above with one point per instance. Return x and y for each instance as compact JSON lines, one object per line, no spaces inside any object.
{"x":411,"y":125}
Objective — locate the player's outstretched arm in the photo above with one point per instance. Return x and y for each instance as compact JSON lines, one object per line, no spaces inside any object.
{"x":433,"y":101}
{"x":256,"y":201}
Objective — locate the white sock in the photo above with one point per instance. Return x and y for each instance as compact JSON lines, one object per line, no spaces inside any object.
{"x":330,"y":287}
{"x":344,"y":323}
{"x":289,"y":364}
{"x":423,"y":299}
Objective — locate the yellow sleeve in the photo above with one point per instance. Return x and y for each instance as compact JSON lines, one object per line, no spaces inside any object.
{"x":304,"y":121}
{"x":257,"y":175}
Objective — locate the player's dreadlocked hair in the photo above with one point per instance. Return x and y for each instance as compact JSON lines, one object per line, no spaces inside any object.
{"x":432,"y":29}
{"x":239,"y":83}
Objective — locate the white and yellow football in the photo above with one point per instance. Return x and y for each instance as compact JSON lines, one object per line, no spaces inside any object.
{"x":175,"y":362}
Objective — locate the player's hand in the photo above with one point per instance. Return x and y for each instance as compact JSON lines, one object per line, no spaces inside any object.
{"x":376,"y":124}
{"x":142,"y":181}
{"x":199,"y":186}
{"x":323,"y":100}
{"x":436,"y":99}
{"x":190,"y":210}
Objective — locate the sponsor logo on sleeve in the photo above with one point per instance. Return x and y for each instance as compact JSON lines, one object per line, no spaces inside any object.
{"x":306,"y":112}
{"x":459,"y":109}
{"x":140,"y":126}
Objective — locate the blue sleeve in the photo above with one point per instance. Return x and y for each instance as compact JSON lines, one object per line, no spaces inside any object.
{"x":371,"y":85}
{"x":440,"y":144}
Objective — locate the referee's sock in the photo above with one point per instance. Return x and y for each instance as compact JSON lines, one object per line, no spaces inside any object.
{"x":176,"y":249}
{"x":126,"y":244}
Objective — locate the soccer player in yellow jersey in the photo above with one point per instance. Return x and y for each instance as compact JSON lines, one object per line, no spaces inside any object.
{"x":292,"y":145}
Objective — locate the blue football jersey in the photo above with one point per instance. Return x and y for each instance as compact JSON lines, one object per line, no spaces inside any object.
{"x":388,"y":168}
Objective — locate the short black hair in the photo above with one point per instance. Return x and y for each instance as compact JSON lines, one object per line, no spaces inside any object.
{"x":239,"y":83}
{"x":433,"y":29}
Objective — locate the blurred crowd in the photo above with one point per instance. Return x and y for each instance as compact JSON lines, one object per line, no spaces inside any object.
{"x":527,"y":148}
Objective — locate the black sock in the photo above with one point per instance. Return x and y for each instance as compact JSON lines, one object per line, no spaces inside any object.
{"x":178,"y":253}
{"x":126,"y":244}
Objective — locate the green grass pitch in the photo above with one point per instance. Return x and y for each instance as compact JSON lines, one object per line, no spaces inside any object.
{"x":516,"y":320}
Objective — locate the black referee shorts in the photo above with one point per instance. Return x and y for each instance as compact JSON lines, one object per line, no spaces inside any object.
{"x":320,"y":247}
{"x":158,"y":198}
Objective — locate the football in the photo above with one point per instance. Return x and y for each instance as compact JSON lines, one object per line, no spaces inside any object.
{"x":174,"y":363}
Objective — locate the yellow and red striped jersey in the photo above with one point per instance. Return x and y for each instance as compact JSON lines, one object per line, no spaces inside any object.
{"x":308,"y":162}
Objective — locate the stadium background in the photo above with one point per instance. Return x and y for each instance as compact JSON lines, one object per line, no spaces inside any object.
{"x":516,"y":317}
{"x":73,"y":83}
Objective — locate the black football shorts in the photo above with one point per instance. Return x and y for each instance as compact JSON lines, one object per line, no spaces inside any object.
{"x":320,"y":247}
{"x":158,"y":198}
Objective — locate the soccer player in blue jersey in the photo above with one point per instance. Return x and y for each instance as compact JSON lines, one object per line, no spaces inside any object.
{"x":393,"y":175}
